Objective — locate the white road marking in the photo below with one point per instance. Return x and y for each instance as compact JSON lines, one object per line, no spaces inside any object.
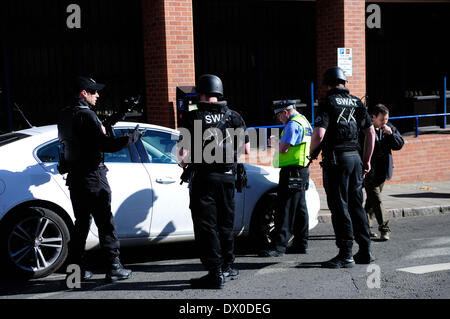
{"x":426,"y":268}
{"x":429,"y":252}
{"x":433,"y":241}
{"x":439,"y":241}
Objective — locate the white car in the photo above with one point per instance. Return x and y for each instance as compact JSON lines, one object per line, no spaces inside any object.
{"x":148,"y":202}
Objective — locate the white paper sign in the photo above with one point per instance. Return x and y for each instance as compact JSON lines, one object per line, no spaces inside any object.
{"x":345,"y":60}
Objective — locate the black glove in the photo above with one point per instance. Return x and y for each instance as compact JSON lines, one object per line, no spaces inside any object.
{"x":136,"y":134}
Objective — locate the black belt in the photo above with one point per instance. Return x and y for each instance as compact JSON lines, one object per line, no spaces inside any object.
{"x":204,"y":169}
{"x":346,"y":153}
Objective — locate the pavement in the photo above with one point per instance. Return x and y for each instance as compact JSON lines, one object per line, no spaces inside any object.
{"x":405,"y":200}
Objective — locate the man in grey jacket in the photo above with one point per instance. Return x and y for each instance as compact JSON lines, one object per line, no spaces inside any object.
{"x":387,"y":139}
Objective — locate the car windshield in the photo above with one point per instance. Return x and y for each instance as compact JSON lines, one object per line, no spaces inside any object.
{"x":11,"y":137}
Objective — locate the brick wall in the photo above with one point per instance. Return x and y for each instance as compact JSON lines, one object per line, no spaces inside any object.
{"x":341,"y":23}
{"x":169,"y":49}
{"x":168,"y":55}
{"x":421,"y":159}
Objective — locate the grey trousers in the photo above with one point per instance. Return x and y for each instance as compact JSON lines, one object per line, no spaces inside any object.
{"x":374,"y":205}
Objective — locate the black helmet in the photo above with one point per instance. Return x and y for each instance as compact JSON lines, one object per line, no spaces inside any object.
{"x":334,"y":75}
{"x":210,"y":85}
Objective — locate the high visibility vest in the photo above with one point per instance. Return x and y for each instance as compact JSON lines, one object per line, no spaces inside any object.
{"x":297,"y":154}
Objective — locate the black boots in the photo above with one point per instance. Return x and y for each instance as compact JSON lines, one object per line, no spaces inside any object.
{"x":230,"y":273}
{"x":364,"y":257}
{"x":343,"y":260}
{"x":117,"y":271}
{"x":213,"y":280}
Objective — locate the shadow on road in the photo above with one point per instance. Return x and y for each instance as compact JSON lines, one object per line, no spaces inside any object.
{"x":310,"y":265}
{"x":161,"y":258}
{"x":422,"y":195}
{"x":170,"y":258}
{"x":322,"y":237}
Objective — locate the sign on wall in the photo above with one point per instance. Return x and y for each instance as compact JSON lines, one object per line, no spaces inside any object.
{"x":345,"y":60}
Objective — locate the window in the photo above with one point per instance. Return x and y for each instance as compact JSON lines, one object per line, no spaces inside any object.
{"x":50,"y":153}
{"x":160,"y":146}
{"x":122,"y":156}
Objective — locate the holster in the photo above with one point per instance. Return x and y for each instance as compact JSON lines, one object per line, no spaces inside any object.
{"x":297,"y":183}
{"x":186,"y":175}
{"x":62,"y":165}
{"x":293,"y":179}
{"x":329,"y":160}
{"x":241,"y":181}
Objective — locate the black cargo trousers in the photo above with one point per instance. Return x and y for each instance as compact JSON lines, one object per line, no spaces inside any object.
{"x":212,"y":207}
{"x":292,"y":216}
{"x":342,"y":180}
{"x":91,"y":196}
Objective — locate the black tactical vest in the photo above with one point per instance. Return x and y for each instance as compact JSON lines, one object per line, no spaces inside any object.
{"x":70,"y":141}
{"x":344,"y":120}
{"x":218,"y":149}
{"x":80,"y":151}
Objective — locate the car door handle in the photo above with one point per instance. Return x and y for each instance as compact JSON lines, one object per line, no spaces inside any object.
{"x":165,"y":180}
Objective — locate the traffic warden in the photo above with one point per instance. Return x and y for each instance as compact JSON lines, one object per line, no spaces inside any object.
{"x":340,"y":118}
{"x":84,"y":140}
{"x":212,"y":183}
{"x":387,"y":139}
{"x":293,"y":158}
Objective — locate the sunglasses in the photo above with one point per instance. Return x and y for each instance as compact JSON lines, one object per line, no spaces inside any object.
{"x":93,"y":92}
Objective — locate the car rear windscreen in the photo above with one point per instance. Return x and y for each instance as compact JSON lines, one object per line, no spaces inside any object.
{"x":11,"y":137}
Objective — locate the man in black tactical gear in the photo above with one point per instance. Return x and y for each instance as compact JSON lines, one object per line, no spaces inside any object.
{"x":339,"y":119}
{"x":212,"y":181}
{"x":84,"y":140}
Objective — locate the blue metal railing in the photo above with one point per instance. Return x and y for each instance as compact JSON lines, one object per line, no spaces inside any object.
{"x":265,"y":128}
{"x":445,"y":114}
{"x":445,"y":100}
{"x":421,"y":116}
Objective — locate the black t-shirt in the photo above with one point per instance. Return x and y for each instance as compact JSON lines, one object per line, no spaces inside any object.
{"x":343,"y":116}
{"x":214,"y":117}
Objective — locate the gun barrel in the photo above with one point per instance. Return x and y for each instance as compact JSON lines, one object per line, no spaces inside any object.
{"x":129,"y":105}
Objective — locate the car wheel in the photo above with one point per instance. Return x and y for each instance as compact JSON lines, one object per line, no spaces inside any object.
{"x":263,"y":221}
{"x":35,"y":242}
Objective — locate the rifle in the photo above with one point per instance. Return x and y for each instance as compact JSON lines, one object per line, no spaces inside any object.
{"x":129,"y":104}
